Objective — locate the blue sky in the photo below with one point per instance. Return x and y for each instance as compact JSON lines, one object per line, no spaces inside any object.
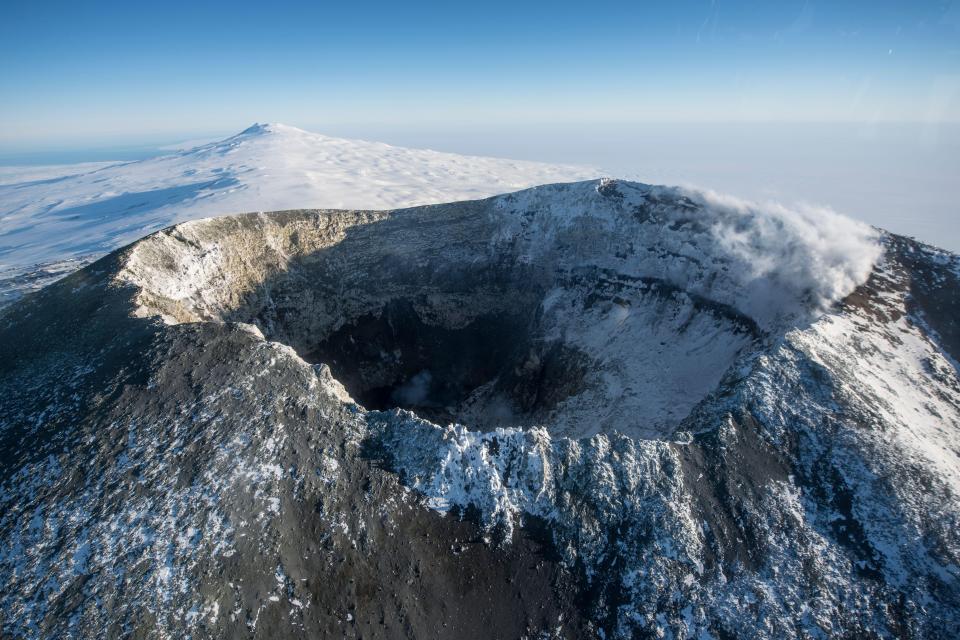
{"x":74,"y":73}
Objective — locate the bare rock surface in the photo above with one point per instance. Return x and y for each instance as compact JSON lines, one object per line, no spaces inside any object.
{"x":600,"y":409}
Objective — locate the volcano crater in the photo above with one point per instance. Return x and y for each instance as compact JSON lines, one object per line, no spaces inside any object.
{"x":433,"y":310}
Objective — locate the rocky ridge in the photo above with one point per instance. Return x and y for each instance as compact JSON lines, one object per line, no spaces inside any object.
{"x":599,"y":409}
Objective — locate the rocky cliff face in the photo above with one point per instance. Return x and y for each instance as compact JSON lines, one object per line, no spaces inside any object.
{"x":598,"y":409}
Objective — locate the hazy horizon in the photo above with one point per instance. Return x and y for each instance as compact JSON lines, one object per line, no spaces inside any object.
{"x":896,"y":176}
{"x":850,"y":105}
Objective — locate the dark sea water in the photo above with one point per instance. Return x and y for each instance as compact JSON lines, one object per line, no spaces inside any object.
{"x":71,"y":156}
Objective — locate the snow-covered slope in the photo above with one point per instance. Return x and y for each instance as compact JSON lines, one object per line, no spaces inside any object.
{"x":600,"y":409}
{"x":94,"y":209}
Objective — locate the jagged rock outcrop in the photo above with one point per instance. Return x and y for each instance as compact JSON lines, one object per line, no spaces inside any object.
{"x":598,"y":409}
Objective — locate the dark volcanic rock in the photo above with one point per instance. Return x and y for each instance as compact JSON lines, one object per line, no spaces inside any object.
{"x":676,"y":418}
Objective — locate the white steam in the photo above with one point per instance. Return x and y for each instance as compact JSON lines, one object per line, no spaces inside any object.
{"x":415,"y":392}
{"x":779,"y":265}
{"x":810,"y":254}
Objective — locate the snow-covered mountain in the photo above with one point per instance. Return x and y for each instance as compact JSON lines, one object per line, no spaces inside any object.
{"x":49,"y":223}
{"x":601,"y":410}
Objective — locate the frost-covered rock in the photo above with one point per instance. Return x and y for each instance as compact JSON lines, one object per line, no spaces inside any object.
{"x":601,"y":409}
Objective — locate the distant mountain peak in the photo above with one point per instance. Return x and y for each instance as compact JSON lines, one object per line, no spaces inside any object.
{"x":260,"y":128}
{"x":265,"y":167}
